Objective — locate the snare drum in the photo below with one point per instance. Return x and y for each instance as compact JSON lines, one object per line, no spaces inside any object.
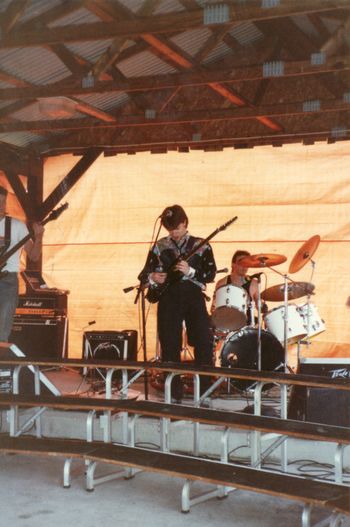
{"x":311,"y":319}
{"x":231,"y":302}
{"x":274,"y":321}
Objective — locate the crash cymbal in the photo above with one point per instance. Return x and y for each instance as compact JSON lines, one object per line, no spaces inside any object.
{"x":262,"y":260}
{"x":295,"y":290}
{"x":304,"y":254}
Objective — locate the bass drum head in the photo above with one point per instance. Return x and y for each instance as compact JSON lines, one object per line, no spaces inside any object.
{"x":241,"y":351}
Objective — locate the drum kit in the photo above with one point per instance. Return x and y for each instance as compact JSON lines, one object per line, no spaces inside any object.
{"x":263,"y":345}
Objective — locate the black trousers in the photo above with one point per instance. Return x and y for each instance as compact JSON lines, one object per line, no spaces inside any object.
{"x":184,"y":302}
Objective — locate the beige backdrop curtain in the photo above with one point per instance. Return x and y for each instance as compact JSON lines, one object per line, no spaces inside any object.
{"x":282,"y":197}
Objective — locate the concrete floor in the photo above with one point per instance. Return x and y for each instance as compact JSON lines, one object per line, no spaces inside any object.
{"x":32,"y":496}
{"x":31,"y":492}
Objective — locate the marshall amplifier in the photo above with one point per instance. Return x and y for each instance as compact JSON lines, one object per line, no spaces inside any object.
{"x":41,"y":338}
{"x":321,"y":405}
{"x":42,"y":305}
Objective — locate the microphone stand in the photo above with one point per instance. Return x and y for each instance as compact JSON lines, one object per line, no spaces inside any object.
{"x":141,"y":293}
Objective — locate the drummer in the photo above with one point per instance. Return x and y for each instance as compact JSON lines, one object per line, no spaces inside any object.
{"x":239,"y":277}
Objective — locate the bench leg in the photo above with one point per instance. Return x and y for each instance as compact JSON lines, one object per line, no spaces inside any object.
{"x":66,"y":473}
{"x":90,"y":426}
{"x":187,"y":501}
{"x":92,"y":481}
{"x":306,"y":516}
{"x":338,"y":463}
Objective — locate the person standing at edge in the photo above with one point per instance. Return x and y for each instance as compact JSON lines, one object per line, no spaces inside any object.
{"x":13,"y":231}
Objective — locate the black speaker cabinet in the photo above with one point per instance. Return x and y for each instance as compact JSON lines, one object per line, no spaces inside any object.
{"x":41,"y":338}
{"x":110,"y":345}
{"x":321,"y":405}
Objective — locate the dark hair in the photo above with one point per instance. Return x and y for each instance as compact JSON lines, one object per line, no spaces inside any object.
{"x":172,"y":216}
{"x":238,"y":254}
{"x":3,"y":191}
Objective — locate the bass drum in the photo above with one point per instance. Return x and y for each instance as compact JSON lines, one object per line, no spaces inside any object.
{"x":240,"y":350}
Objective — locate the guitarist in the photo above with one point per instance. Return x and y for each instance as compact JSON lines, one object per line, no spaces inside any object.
{"x":11,"y":232}
{"x":182,"y":299}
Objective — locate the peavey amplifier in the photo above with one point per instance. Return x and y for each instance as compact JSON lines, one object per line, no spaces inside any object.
{"x":110,"y":345}
{"x":321,"y":405}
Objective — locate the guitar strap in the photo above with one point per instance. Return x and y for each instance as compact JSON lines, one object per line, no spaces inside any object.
{"x":7,"y":235}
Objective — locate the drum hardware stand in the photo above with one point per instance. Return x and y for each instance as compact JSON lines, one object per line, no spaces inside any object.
{"x":307,"y":341}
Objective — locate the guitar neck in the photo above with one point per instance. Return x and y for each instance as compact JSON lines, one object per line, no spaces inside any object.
{"x":15,"y":248}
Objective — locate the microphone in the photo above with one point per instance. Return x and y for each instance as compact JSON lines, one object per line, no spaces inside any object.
{"x":224,"y":270}
{"x":166,"y":214}
{"x":256,"y":275}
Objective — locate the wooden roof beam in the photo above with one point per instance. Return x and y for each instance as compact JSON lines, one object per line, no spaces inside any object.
{"x":69,"y":181}
{"x":163,"y":23}
{"x":164,"y":82}
{"x":12,"y":14}
{"x":174,"y":118}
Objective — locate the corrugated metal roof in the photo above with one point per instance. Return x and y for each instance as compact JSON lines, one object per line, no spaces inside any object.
{"x":303,"y":22}
{"x":90,"y":51}
{"x":23,"y":139}
{"x":35,"y":111}
{"x":144,"y":63}
{"x":105,"y":101}
{"x":36,"y":8}
{"x":246,"y":33}
{"x":169,"y":6}
{"x":219,"y":51}
{"x":27,"y":64}
{"x":3,"y":104}
{"x":4,"y":5}
{"x":133,"y":5}
{"x":330,"y":23}
{"x":192,"y":41}
{"x":80,"y":16}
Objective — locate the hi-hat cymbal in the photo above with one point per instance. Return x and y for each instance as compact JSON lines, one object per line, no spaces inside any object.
{"x":295,"y":290}
{"x":304,"y":254}
{"x":262,"y":260}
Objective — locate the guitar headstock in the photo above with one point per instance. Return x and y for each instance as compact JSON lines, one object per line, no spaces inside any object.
{"x":54,"y":214}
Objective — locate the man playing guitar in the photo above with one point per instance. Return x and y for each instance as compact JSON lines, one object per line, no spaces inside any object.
{"x":12,"y":231}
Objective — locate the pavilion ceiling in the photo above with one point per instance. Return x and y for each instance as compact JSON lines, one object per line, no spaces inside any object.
{"x":159,"y":75}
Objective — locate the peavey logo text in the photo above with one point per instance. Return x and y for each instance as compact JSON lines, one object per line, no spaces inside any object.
{"x":341,"y":372}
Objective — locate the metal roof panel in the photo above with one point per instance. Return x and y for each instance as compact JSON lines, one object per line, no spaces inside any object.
{"x":192,"y":41}
{"x":90,"y":51}
{"x":27,"y":64}
{"x":144,"y":63}
{"x":80,"y":16}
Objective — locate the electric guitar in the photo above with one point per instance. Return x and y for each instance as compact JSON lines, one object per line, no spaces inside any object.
{"x":155,"y":292}
{"x":4,"y":257}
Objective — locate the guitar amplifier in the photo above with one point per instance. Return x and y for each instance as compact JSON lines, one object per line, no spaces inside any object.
{"x":41,"y":338}
{"x":322,"y":405}
{"x":110,"y":345}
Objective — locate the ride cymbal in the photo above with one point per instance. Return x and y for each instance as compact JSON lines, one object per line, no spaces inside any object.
{"x":295,"y":290}
{"x":262,"y":260}
{"x":304,"y":254}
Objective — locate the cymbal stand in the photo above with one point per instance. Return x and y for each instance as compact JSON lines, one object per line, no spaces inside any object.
{"x":285,"y":315}
{"x":259,"y":322}
{"x":307,"y":340}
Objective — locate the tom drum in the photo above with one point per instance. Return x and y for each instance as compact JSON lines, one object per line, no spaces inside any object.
{"x":231,"y":302}
{"x":274,"y":322}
